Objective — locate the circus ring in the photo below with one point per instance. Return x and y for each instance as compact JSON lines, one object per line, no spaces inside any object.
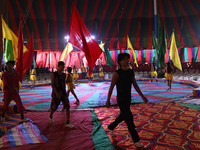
{"x":169,"y":120}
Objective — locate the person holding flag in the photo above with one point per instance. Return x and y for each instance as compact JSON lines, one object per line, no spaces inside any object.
{"x":153,"y":72}
{"x":90,"y":77}
{"x":101,"y":74}
{"x":59,"y":93}
{"x":32,"y":77}
{"x":70,"y":84}
{"x":11,"y":90}
{"x":75,"y":74}
{"x":168,"y":75}
{"x":83,"y":70}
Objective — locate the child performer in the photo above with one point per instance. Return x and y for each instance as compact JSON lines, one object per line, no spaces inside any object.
{"x":83,"y":70}
{"x":59,"y":93}
{"x":75,"y":74}
{"x":123,"y":78}
{"x":32,"y":77}
{"x":11,"y":90}
{"x":101,"y":74}
{"x":90,"y":77}
{"x":168,"y":76}
{"x":70,"y":84}
{"x":153,"y":72}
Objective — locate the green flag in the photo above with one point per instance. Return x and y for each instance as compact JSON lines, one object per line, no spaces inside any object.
{"x":9,"y":54}
{"x":101,"y":45}
{"x":155,"y":44}
{"x":109,"y":60}
{"x":163,"y":47}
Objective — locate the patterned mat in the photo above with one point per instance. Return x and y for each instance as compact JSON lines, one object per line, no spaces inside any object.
{"x":95,"y":95}
{"x":22,"y":134}
{"x":11,"y":120}
{"x":161,"y":126}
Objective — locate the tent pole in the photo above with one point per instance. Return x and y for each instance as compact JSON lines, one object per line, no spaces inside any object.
{"x":156,"y":29}
{"x":155,"y":18}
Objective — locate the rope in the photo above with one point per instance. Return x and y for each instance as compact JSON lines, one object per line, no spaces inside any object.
{"x":26,"y":12}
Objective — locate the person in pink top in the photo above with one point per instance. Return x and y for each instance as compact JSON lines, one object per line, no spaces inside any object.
{"x":11,"y":90}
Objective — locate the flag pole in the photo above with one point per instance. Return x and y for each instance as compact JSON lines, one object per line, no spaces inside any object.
{"x":49,"y":50}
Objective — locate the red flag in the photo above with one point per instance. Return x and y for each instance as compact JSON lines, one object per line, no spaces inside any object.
{"x":20,"y":44}
{"x":81,"y":38}
{"x":28,"y":56}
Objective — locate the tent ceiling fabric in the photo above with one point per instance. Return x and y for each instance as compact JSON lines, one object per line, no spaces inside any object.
{"x":109,"y":20}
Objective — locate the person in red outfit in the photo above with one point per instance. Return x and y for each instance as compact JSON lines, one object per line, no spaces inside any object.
{"x":11,"y":90}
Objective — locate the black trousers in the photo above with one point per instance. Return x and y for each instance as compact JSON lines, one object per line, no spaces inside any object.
{"x":126,"y":115}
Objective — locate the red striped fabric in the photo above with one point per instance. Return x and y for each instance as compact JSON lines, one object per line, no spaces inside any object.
{"x":178,"y":32}
{"x":36,"y":26}
{"x":128,"y":25}
{"x":12,"y":16}
{"x":166,"y":56}
{"x":45,"y":23}
{"x":85,"y":10}
{"x":118,"y":21}
{"x":150,"y":26}
{"x":137,"y":36}
{"x":94,"y":14}
{"x":148,"y":55}
{"x":102,"y":18}
{"x":21,"y":12}
{"x":189,"y":55}
{"x":188,"y":23}
{"x":139,"y":57}
{"x":111,"y":19}
{"x":65,"y":16}
{"x":55,"y":23}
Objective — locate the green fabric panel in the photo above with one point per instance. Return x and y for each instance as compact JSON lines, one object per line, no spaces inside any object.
{"x":163,"y":46}
{"x":153,"y":54}
{"x":99,"y":136}
{"x":186,"y":54}
{"x":196,"y":54}
{"x":110,"y":54}
{"x":136,"y":54}
{"x":154,"y":41}
{"x":34,"y":62}
{"x":145,"y":54}
{"x":192,"y":106}
{"x":103,"y":49}
{"x":109,"y":60}
{"x":9,"y":54}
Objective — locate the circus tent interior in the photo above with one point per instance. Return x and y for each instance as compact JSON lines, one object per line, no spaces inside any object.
{"x":170,"y":120}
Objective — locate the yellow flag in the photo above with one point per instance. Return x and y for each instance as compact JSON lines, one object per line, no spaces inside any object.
{"x":8,"y":34}
{"x":67,"y":50}
{"x":101,"y":45}
{"x":129,"y":45}
{"x":173,"y":53}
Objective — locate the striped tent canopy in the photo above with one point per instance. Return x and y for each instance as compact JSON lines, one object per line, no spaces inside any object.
{"x":109,"y":20}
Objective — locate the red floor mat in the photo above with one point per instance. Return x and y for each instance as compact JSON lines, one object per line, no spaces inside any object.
{"x":58,"y":135}
{"x":160,"y":126}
